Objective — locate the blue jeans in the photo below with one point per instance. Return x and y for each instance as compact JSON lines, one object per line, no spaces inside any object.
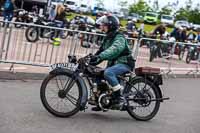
{"x":111,"y":73}
{"x":59,"y":24}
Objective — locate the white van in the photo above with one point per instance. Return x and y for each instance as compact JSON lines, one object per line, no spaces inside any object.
{"x":167,"y":19}
{"x":83,"y":8}
{"x":72,"y":5}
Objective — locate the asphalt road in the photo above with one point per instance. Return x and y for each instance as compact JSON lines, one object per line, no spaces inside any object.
{"x":21,"y":111}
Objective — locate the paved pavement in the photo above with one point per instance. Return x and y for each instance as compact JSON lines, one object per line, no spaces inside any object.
{"x":21,"y":111}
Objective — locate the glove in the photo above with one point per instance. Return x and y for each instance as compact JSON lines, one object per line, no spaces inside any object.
{"x":95,"y":60}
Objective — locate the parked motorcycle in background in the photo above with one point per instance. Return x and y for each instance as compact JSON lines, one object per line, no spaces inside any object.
{"x":23,"y":16}
{"x":193,"y":53}
{"x":34,"y":32}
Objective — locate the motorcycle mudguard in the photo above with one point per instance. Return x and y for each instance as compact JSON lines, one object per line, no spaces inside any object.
{"x":80,"y":81}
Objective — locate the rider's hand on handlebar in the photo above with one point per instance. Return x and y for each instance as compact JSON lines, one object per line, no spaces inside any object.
{"x":95,"y":60}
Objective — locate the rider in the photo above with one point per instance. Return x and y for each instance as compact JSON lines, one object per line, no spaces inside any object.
{"x":131,"y":26}
{"x":115,"y":50}
{"x":159,"y":30}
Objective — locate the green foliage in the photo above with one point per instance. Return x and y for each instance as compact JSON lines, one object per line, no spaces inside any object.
{"x":166,"y":10}
{"x":140,"y":7}
{"x":189,"y":13}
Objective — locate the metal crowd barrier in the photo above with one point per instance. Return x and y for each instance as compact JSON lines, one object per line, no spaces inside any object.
{"x":173,"y":64}
{"x":15,"y":49}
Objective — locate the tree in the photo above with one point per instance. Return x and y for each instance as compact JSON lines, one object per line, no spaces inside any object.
{"x":155,"y":6}
{"x":100,"y":3}
{"x":165,"y":10}
{"x":189,"y":13}
{"x":140,"y":7}
{"x":123,"y":3}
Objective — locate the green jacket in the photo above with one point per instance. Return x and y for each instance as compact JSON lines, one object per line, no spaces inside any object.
{"x":116,"y":50}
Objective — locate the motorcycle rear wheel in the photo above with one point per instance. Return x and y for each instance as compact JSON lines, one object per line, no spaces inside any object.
{"x":141,"y":104}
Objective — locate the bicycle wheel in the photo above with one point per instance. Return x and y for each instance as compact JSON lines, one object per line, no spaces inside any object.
{"x":142,"y":91}
{"x":55,"y":100}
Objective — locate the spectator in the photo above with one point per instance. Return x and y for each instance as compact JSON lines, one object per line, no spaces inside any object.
{"x":8,"y":10}
{"x":131,"y":26}
{"x":99,"y":14}
{"x":183,"y":35}
{"x":52,"y":13}
{"x":176,"y":33}
{"x":60,"y":15}
{"x":60,"y":21}
{"x":35,"y":9}
{"x":198,"y":36}
{"x":191,"y":36}
{"x":159,"y":30}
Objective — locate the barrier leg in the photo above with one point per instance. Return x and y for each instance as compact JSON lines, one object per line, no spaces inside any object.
{"x":11,"y":69}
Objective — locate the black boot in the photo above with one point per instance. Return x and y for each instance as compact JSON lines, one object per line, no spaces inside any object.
{"x":116,"y":97}
{"x":117,"y":102}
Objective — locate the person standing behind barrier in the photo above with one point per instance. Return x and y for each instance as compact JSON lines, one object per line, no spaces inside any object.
{"x":35,"y":9}
{"x":8,"y":10}
{"x":131,"y":26}
{"x":159,"y":30}
{"x":176,"y":33}
{"x":60,"y":21}
{"x":191,"y":36}
{"x":198,"y":36}
{"x":183,"y":35}
{"x":60,"y":16}
{"x":52,"y":13}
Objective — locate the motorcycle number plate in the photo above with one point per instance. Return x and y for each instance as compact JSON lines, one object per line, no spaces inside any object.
{"x":70,"y":66}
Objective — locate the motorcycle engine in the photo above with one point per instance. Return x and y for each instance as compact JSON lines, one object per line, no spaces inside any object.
{"x":104,"y":101}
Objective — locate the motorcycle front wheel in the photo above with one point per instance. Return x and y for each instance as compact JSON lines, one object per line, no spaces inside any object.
{"x":55,"y":100}
{"x":181,"y":55}
{"x":188,"y":58}
{"x":152,"y":54}
{"x":32,"y":34}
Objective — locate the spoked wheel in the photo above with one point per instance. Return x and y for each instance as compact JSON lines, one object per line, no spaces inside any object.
{"x":55,"y":99}
{"x":181,"y":55}
{"x":188,"y":58}
{"x":64,"y":34}
{"x":32,"y":34}
{"x":140,"y":105}
{"x":152,"y":54}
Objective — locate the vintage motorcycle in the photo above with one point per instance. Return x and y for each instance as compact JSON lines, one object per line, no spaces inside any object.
{"x":64,"y":91}
{"x":193,"y":53}
{"x":23,"y":17}
{"x":33,"y":33}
